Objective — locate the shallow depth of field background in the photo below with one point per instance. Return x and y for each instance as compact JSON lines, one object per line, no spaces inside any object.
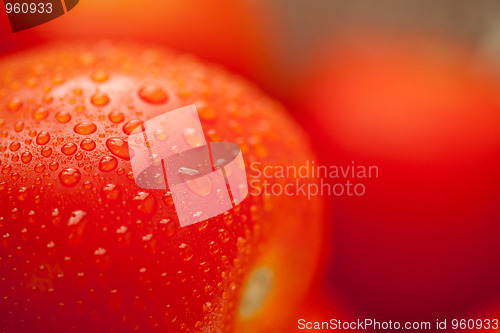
{"x":423,"y":243}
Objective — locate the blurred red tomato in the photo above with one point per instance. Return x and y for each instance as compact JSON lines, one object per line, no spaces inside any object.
{"x":426,"y":111}
{"x":232,"y":33}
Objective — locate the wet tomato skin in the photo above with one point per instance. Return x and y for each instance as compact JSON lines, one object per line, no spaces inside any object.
{"x":84,"y":249}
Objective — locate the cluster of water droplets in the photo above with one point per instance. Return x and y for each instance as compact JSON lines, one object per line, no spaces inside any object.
{"x":88,"y":137}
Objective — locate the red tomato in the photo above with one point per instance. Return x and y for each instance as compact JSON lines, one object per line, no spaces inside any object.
{"x":426,"y":112}
{"x":84,"y":249}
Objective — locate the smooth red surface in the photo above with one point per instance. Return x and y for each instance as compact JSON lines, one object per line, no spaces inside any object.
{"x":423,"y":242}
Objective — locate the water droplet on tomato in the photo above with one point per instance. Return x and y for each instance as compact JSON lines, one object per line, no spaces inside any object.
{"x":40,"y":114}
{"x":99,"y":99}
{"x":201,"y":186}
{"x":111,"y":192}
{"x":228,"y":218}
{"x":22,"y":194}
{"x":202,"y":225}
{"x":207,"y":307}
{"x":53,"y":166}
{"x":145,"y":203}
{"x":55,"y":216}
{"x":46,"y":151}
{"x":206,"y":112}
{"x":14,"y":104}
{"x":160,"y":135}
{"x":26,"y":157}
{"x":199,"y":325}
{"x":47,"y":99}
{"x":209,"y":290}
{"x":43,"y":138}
{"x":31,"y":82}
{"x":6,"y":169}
{"x":118,"y":147}
{"x":116,"y":117}
{"x":63,"y":117}
{"x":76,"y":227}
{"x":155,"y":159}
{"x":87,"y":144}
{"x":167,"y":226}
{"x":69,"y":148}
{"x":18,"y":127}
{"x":5,"y":240}
{"x":100,"y":76}
{"x":58,"y":79}
{"x":69,"y":177}
{"x":167,"y":198}
{"x":14,"y":146}
{"x":85,"y":128}
{"x":108,"y":163}
{"x":213,"y":135}
{"x":153,"y":94}
{"x":131,"y":125}
{"x":224,"y":235}
{"x":213,"y":247}
{"x":39,"y":167}
{"x":193,"y":138}
{"x":159,"y":178}
{"x":200,"y":215}
{"x":186,"y":252}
